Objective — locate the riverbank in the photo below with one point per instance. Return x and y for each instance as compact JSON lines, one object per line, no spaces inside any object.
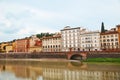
{"x":103,"y":60}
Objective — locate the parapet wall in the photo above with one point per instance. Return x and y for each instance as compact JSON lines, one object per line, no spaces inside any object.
{"x":32,"y":55}
{"x":57,"y":55}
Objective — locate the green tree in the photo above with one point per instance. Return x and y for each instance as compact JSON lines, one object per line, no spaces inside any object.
{"x":102,"y":27}
{"x":44,"y":34}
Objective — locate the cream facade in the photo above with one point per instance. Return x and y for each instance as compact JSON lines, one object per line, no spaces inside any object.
{"x":9,"y":48}
{"x":71,"y":38}
{"x":90,"y":41}
{"x":52,"y":43}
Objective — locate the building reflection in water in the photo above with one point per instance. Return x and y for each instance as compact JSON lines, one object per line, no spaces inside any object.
{"x":46,"y":70}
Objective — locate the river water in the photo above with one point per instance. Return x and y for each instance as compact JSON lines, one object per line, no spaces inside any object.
{"x":57,"y":70}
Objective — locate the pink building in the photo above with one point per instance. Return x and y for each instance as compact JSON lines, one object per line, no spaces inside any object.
{"x":22,"y":45}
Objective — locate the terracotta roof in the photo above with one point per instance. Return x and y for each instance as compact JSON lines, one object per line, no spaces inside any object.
{"x":109,"y":32}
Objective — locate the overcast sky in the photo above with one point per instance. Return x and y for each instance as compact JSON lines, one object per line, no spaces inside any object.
{"x":22,"y":18}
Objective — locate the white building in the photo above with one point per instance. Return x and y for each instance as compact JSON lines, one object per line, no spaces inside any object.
{"x":90,"y":41}
{"x":71,"y":38}
{"x":52,"y":43}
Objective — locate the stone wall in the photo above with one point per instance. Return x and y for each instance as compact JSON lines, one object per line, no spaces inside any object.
{"x":33,"y":55}
{"x":57,"y":55}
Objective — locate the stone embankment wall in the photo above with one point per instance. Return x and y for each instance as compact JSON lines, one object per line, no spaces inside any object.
{"x":105,"y":54}
{"x":32,"y":55}
{"x":57,"y":55}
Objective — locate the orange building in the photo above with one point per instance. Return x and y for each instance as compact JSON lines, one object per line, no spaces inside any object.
{"x":21,"y":45}
{"x":110,"y":39}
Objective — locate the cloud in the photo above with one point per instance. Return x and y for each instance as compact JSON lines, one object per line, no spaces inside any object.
{"x":21,"y":20}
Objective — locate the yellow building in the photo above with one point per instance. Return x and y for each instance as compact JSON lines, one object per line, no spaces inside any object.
{"x":0,"y":48}
{"x":35,"y":49}
{"x":6,"y":47}
{"x":9,"y":48}
{"x":14,"y":46}
{"x":3,"y":46}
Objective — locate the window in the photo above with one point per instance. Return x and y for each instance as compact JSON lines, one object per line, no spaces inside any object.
{"x":111,"y":35}
{"x":104,"y":40}
{"x":116,"y":39}
{"x":116,"y":35}
{"x":116,"y":43}
{"x":112,"y":43}
{"x":104,"y":44}
{"x":108,"y":40}
{"x":112,"y":40}
{"x":95,"y":45}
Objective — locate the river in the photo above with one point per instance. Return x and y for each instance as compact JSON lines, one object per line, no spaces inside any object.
{"x":57,"y":70}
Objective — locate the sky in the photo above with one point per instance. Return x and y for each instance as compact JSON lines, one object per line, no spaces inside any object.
{"x":23,"y":18}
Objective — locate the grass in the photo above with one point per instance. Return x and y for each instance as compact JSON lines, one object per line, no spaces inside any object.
{"x":103,"y":60}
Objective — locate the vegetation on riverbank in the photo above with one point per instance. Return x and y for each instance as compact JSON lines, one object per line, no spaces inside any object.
{"x":103,"y":60}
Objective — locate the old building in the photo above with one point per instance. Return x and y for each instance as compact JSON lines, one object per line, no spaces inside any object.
{"x":3,"y":46}
{"x":52,"y":43}
{"x":9,"y":48}
{"x":90,"y":41}
{"x":35,"y":44}
{"x":110,"y":39}
{"x":0,"y":47}
{"x":22,"y":45}
{"x":14,"y":45}
{"x":6,"y":47}
{"x":71,"y":38}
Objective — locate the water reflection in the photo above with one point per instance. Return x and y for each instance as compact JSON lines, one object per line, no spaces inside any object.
{"x":57,"y":70}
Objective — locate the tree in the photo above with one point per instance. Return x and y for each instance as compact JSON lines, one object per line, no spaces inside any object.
{"x":44,"y":34}
{"x":102,"y":27}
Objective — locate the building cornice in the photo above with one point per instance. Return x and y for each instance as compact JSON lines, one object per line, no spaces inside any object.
{"x":70,"y":28}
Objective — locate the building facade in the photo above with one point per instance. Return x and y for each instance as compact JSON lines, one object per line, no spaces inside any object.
{"x":6,"y":47}
{"x":3,"y":46}
{"x":110,"y":39}
{"x":35,"y":44}
{"x":52,"y":43}
{"x":22,"y":45}
{"x":71,"y":38}
{"x":9,"y":47}
{"x":90,"y":41}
